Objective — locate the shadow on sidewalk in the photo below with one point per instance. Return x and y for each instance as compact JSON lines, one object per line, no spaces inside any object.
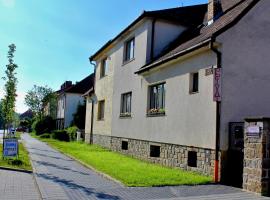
{"x":58,"y":167}
{"x":74,"y":186}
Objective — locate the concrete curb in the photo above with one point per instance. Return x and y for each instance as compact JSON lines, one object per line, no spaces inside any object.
{"x":17,"y":170}
{"x":88,"y":166}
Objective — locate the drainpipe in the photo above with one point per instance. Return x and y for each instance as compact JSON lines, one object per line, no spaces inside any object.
{"x":92,"y":111}
{"x":218,"y":106}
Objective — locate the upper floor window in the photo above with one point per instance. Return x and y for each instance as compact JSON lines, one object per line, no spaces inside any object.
{"x":194,"y":82}
{"x":129,"y":50}
{"x":157,"y":99}
{"x":126,"y":104}
{"x":101,"y":109}
{"x":104,"y":67}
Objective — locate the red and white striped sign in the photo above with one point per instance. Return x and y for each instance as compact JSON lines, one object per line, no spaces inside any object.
{"x":217,"y":85}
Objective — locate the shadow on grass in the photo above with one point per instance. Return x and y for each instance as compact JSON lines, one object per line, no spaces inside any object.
{"x":75,"y":186}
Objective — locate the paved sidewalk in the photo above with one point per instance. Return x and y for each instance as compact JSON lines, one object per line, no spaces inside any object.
{"x":60,"y":177}
{"x":17,"y":185}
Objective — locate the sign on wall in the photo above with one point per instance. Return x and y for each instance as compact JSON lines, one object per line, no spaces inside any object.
{"x":217,"y":85}
{"x":253,"y":131}
{"x":10,"y":147}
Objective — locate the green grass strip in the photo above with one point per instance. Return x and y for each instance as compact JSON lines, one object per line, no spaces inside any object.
{"x":128,"y":170}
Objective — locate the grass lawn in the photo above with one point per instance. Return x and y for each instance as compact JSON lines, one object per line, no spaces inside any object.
{"x":22,"y":162}
{"x":130,"y":171}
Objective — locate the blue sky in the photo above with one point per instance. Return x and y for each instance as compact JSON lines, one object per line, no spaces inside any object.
{"x":55,"y":38}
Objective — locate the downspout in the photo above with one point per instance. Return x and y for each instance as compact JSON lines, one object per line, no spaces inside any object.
{"x":92,"y":111}
{"x":153,"y":39}
{"x":218,"y":106}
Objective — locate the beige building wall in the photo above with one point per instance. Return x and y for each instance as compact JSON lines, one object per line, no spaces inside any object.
{"x":104,"y":91}
{"x":88,"y":115}
{"x":190,"y":118}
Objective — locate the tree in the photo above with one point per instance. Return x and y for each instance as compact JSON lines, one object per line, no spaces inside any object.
{"x":1,"y":115}
{"x":9,"y":100}
{"x":37,"y":97}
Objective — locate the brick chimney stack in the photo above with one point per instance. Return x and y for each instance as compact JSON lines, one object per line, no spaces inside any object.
{"x":214,"y":8}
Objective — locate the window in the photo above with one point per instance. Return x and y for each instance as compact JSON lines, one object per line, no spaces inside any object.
{"x":129,"y":50}
{"x":101,"y":108}
{"x":104,"y":68}
{"x":126,"y":104}
{"x":194,"y":82}
{"x":192,"y":159}
{"x":124,"y":145}
{"x":157,"y":99}
{"x":154,"y":151}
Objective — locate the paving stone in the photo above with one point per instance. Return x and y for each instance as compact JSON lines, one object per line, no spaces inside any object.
{"x":60,"y":177}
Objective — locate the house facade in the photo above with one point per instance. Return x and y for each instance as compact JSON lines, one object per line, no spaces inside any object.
{"x":180,"y":83}
{"x":68,"y":98}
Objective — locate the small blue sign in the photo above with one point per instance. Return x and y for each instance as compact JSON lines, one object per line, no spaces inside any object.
{"x":10,"y":147}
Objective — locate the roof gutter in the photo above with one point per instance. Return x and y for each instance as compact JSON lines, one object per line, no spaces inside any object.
{"x":174,"y":56}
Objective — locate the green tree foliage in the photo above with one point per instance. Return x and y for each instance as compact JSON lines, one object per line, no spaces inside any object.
{"x":36,"y":98}
{"x":1,"y":116}
{"x":79,"y":116}
{"x":9,"y":100}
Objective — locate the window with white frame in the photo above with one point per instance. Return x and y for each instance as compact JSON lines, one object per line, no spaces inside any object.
{"x":157,"y":99}
{"x":129,"y":50}
{"x":126,"y":104}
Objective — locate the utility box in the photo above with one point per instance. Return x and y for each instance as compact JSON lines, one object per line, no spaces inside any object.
{"x":256,"y":155}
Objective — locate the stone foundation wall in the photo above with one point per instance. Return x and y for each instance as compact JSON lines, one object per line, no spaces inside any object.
{"x":171,"y":155}
{"x":102,"y":140}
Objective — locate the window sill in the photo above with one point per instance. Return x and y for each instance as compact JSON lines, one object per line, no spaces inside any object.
{"x":156,"y":114}
{"x":123,"y":116}
{"x":128,"y":61}
{"x":193,"y":92}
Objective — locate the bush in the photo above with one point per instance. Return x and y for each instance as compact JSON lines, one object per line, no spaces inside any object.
{"x":61,"y":135}
{"x":45,"y":135}
{"x":45,"y":125}
{"x":72,"y":132}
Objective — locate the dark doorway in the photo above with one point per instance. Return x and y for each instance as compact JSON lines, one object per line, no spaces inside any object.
{"x":234,"y":169}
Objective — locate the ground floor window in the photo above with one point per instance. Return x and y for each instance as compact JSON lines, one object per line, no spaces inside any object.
{"x":157,"y":99}
{"x":192,"y":159}
{"x":126,"y":104}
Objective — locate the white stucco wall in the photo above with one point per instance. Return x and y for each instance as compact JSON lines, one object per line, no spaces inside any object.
{"x":61,"y":107}
{"x":72,"y":101}
{"x":165,"y":32}
{"x":246,"y":74}
{"x":88,"y":115}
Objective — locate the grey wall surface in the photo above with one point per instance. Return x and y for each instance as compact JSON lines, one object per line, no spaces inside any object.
{"x":246,"y":68}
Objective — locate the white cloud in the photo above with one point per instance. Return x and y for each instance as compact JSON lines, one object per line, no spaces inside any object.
{"x":8,"y":3}
{"x":20,"y":105}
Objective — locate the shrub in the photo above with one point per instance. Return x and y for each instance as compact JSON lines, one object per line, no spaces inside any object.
{"x":45,"y":125}
{"x":45,"y":135}
{"x":61,"y":135}
{"x":72,"y":132}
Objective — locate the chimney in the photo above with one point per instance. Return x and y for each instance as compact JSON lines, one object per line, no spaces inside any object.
{"x":214,"y":9}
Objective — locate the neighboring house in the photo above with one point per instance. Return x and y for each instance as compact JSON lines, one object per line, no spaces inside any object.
{"x":68,"y":99}
{"x":155,"y":96}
